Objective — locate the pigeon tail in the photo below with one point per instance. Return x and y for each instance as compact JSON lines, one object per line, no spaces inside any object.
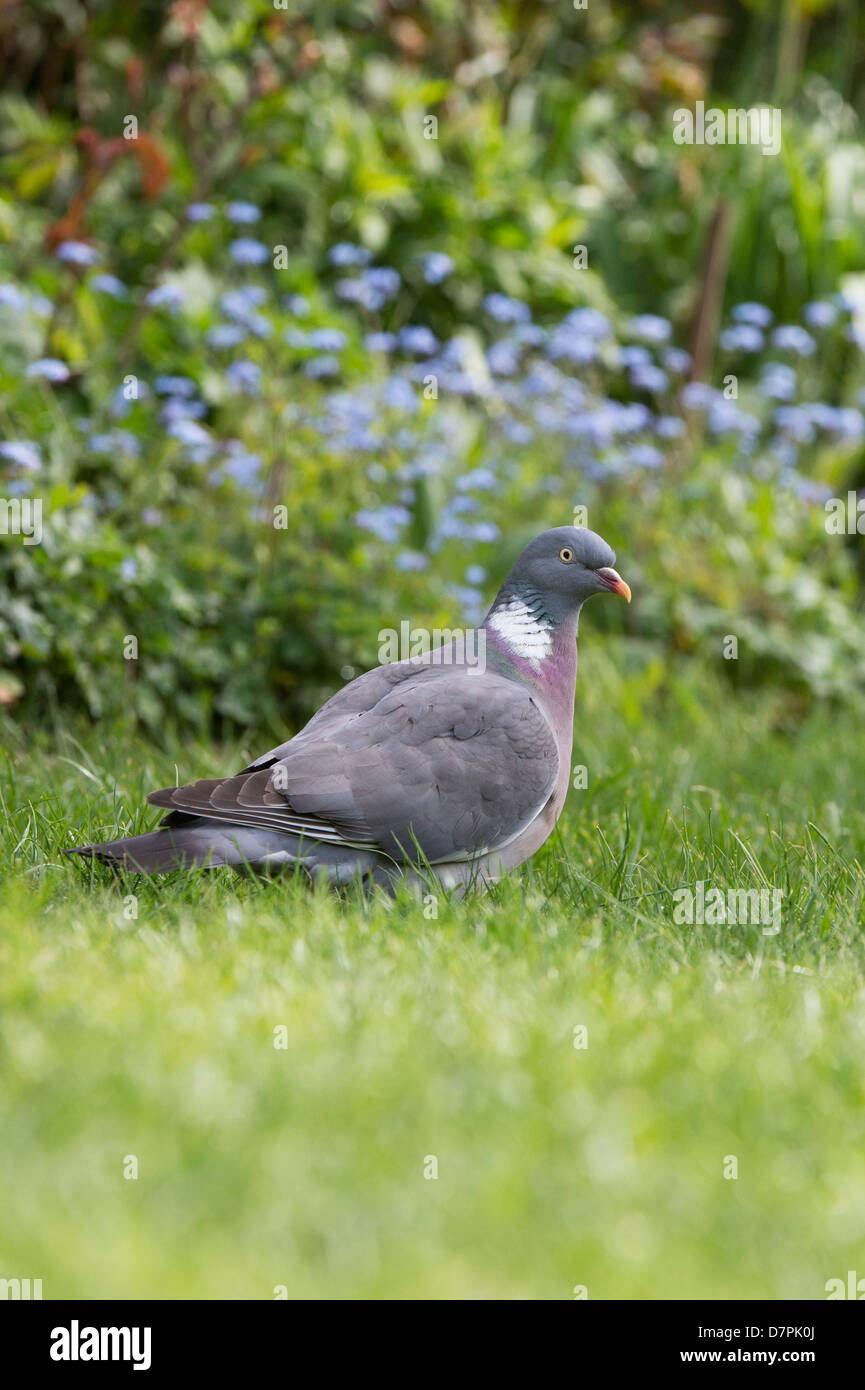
{"x":212,"y":844}
{"x":163,"y":851}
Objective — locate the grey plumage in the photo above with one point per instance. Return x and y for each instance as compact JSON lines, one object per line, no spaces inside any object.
{"x":427,"y":765}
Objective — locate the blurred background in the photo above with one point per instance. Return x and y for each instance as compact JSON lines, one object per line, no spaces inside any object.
{"x":311,"y":314}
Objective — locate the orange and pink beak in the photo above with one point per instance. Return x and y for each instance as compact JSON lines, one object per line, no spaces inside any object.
{"x":614,"y":582}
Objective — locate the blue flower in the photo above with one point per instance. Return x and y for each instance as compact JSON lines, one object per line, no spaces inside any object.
{"x":177,"y":409}
{"x":242,"y":212}
{"x":385,"y":523}
{"x":459,"y":506}
{"x":503,"y":358}
{"x":506,"y":310}
{"x":847,"y":422}
{"x":110,"y":285}
{"x":247,"y":251}
{"x":451,"y":527}
{"x":418,"y":339}
{"x":589,"y":322}
{"x":742,"y":337}
{"x":380,"y":342}
{"x":187,"y":432}
{"x":577,"y":337}
{"x":399,"y":395}
{"x":383,"y":281}
{"x":114,"y":441}
{"x":648,"y":377}
{"x":697,"y":395}
{"x":470,"y":601}
{"x":237,"y":304}
{"x":127,"y":442}
{"x":345,"y":253}
{"x":23,"y":452}
{"x":677,"y":361}
{"x":258,"y":325}
{"x":778,"y":382}
{"x":242,"y":465}
{"x":225,"y":335}
{"x":372,"y":289}
{"x":543,"y":380}
{"x":165,"y":297}
{"x":182,"y":386}
{"x":630,"y":417}
{"x":12,"y":298}
{"x":77,"y":253}
{"x":645,"y":456}
{"x":245,"y":376}
{"x":200,"y":212}
{"x":528,"y":334}
{"x":634,"y":356}
{"x":407,"y":560}
{"x":850,"y":423}
{"x":790,"y":337}
{"x":320,"y":367}
{"x":194,"y":437}
{"x":479,"y":480}
{"x":669,"y":427}
{"x":572,"y":348}
{"x":517,"y":431}
{"x":808,"y":490}
{"x":296,"y":304}
{"x":436,"y":267}
{"x":725,"y":417}
{"x":476,"y":575}
{"x":327,"y":339}
{"x":795,"y":422}
{"x":755,"y":314}
{"x":355,"y":291}
{"x":49,"y":369}
{"x":820,"y":314}
{"x":651,"y":328}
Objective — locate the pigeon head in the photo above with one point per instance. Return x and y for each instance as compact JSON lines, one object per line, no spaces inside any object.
{"x":548,"y":586}
{"x":563,"y":568}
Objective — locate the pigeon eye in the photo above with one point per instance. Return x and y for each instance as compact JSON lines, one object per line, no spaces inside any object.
{"x":566,"y":555}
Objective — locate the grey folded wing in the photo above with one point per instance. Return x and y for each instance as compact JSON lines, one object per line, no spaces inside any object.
{"x":449,"y":762}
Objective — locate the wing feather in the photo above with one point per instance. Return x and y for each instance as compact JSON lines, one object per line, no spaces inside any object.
{"x":450,"y":761}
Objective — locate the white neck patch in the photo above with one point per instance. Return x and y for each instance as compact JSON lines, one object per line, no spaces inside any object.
{"x":523,"y":631}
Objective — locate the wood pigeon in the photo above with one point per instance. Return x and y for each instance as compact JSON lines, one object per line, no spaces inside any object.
{"x":454,"y":764}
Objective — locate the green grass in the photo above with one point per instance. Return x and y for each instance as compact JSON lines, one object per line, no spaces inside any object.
{"x":409,"y":1036}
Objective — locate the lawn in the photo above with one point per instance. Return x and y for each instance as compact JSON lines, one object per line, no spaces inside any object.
{"x":284,"y":1066}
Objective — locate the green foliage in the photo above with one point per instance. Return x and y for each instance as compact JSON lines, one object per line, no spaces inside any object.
{"x":554,"y":130}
